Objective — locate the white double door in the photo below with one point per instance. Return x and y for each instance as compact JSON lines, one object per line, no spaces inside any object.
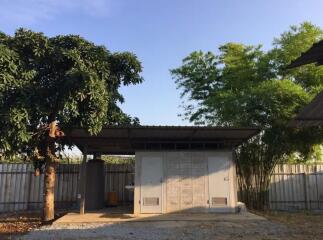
{"x":195,"y":182}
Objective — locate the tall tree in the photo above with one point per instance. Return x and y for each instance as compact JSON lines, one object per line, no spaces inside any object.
{"x":247,"y":86}
{"x":62,"y":80}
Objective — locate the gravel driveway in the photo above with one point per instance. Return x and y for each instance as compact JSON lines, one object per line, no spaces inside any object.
{"x":159,"y":230}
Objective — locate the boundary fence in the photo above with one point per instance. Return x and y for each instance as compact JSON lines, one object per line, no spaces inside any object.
{"x":293,"y":187}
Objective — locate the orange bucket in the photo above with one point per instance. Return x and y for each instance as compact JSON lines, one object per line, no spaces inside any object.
{"x":112,"y":199}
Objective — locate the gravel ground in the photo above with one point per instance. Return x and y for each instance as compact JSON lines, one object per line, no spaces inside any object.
{"x":253,"y":230}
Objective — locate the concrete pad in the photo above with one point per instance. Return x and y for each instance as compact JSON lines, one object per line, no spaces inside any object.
{"x":107,"y":217}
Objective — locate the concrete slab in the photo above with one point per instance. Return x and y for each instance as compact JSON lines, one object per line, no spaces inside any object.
{"x":108,"y":217}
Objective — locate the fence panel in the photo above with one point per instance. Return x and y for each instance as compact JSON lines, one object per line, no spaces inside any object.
{"x":21,"y":190}
{"x":117,"y":176}
{"x":296,"y":187}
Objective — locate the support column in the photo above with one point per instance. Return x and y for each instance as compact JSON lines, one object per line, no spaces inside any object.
{"x":136,"y":200}
{"x":83,"y":182}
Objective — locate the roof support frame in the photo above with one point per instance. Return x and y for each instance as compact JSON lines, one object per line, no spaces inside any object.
{"x":127,"y":140}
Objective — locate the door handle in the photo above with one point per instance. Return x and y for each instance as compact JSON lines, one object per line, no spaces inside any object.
{"x":226,"y":179}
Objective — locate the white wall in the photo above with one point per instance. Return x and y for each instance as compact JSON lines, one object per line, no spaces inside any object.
{"x":189,"y":181}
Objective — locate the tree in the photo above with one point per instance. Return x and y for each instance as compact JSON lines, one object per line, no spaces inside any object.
{"x":245,"y":86}
{"x":62,"y":80}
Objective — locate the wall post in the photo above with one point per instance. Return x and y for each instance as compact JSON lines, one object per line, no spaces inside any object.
{"x":305,"y":190}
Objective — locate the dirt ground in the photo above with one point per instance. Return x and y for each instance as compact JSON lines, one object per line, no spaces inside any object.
{"x":18,"y":224}
{"x":306,"y":225}
{"x":293,"y":226}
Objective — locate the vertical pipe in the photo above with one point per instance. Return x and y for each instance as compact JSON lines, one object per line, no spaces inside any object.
{"x":124,"y":183}
{"x":305,"y":190}
{"x":83,"y":182}
{"x":316,"y":188}
{"x":29,"y":187}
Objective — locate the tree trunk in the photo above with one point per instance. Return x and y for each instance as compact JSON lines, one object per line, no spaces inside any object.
{"x":50,"y":172}
{"x":49,"y":187}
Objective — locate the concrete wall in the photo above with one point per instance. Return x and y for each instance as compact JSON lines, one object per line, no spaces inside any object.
{"x":185,"y":181}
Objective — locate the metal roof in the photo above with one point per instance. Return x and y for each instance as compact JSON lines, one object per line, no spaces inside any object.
{"x":311,"y":115}
{"x":312,"y":55}
{"x":127,"y":140}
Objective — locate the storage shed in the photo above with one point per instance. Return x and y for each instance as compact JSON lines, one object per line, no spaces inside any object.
{"x":176,"y":168}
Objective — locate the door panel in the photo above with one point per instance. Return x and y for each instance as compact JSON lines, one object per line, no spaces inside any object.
{"x":151,"y":184}
{"x":186,"y":182}
{"x":199,"y":172}
{"x":173,"y":183}
{"x":219,"y":187}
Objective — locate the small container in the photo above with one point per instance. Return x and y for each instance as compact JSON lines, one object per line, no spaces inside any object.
{"x":112,"y":199}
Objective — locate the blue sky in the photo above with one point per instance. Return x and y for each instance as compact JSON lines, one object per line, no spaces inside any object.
{"x":161,"y":33}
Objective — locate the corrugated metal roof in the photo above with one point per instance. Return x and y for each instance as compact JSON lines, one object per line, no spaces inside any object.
{"x":311,"y":115}
{"x":126,"y":140}
{"x":313,"y":55}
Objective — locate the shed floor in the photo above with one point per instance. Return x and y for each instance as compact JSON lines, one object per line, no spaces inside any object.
{"x":122,"y":214}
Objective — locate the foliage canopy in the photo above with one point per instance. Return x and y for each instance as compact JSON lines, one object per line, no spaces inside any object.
{"x":247,"y":86}
{"x":243,"y":86}
{"x":65,"y":77}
